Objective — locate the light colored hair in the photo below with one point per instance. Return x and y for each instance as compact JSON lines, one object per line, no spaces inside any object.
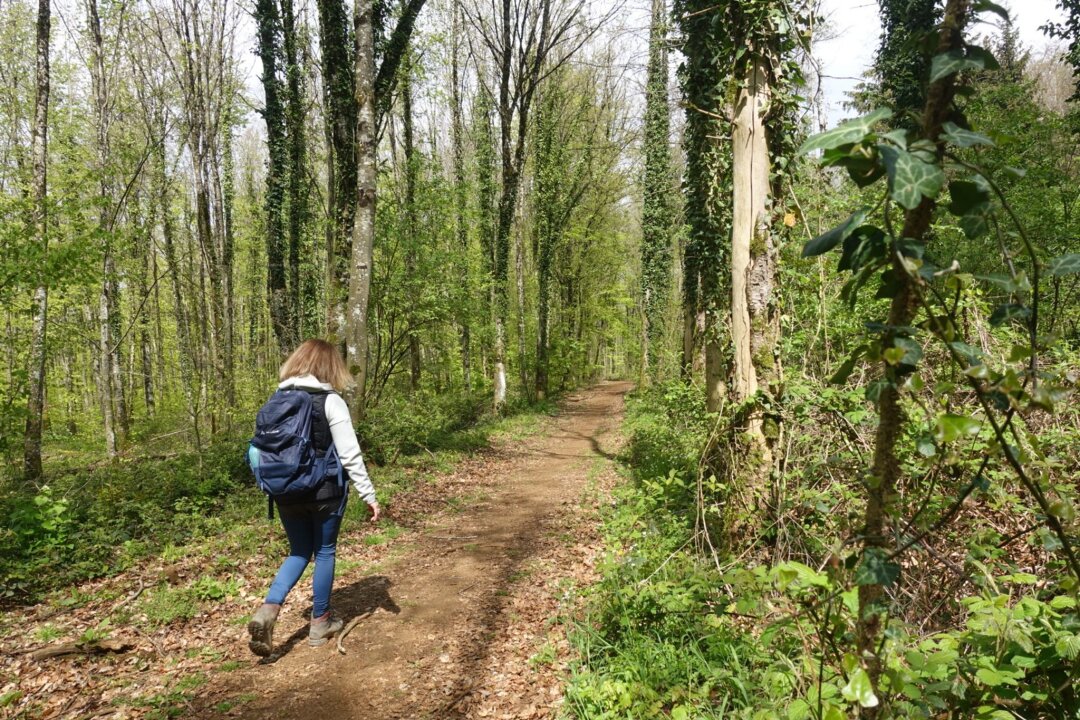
{"x":319,"y":358}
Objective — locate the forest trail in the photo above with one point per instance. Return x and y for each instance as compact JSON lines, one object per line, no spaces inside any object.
{"x":455,"y":625}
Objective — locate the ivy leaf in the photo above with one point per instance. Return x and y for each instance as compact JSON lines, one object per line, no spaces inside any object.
{"x":962,"y":137}
{"x":1064,"y":265}
{"x":912,"y":351}
{"x":910,"y":179}
{"x":972,"y":354}
{"x":966,"y":196}
{"x":974,"y":225}
{"x":846,"y":133}
{"x":859,"y":689}
{"x":876,"y":569}
{"x":954,"y":61}
{"x":827,"y":241}
{"x":1008,"y":312}
{"x":950,"y":427}
{"x":862,"y":247}
{"x":987,"y":6}
{"x":846,"y":368}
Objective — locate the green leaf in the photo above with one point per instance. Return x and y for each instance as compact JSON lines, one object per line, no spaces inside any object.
{"x":990,"y":677}
{"x":954,"y":61}
{"x":827,"y":241}
{"x":966,"y":196}
{"x":844,"y":371}
{"x":987,"y":6}
{"x":950,"y":427}
{"x":972,"y":354}
{"x":876,"y":568}
{"x":961,"y":137}
{"x":912,"y":350}
{"x":1008,"y":312}
{"x":859,"y":689}
{"x":1064,"y":265}
{"x":910,"y":179}
{"x":926,"y":447}
{"x":845,"y":133}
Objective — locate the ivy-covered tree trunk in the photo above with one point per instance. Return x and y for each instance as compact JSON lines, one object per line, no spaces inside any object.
{"x":363,"y":231}
{"x":266,"y":17}
{"x":902,"y":63}
{"x":295,"y":119}
{"x":885,"y":470}
{"x":35,"y":406}
{"x":657,"y":221}
{"x":707,"y":192}
{"x":335,"y":44}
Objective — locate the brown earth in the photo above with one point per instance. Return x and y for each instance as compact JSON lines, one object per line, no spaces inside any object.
{"x":456,"y":621}
{"x":438,"y":612}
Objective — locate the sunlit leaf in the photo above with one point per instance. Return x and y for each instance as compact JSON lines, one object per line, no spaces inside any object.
{"x":846,"y":133}
{"x":910,"y":179}
{"x":827,"y":241}
{"x":951,"y":427}
{"x":1064,"y":265}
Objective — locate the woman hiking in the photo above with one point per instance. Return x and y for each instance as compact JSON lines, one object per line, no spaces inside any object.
{"x":312,"y":518}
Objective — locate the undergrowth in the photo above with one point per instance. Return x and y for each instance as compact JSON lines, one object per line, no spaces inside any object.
{"x":91,"y":521}
{"x":674,"y":630}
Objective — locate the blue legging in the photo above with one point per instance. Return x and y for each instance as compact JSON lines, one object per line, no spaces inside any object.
{"x":312,"y":529}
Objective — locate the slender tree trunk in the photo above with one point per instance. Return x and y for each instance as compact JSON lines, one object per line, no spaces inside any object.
{"x":227,"y":262}
{"x":338,"y":60}
{"x":519,"y":276}
{"x":35,"y":405}
{"x":266,"y":16}
{"x":110,"y":381}
{"x":295,"y":116}
{"x":356,"y":336}
{"x":411,"y":169}
{"x":657,"y":219}
{"x":458,"y":142}
{"x":886,"y":466}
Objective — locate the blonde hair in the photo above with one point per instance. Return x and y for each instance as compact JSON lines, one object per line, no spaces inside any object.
{"x":319,"y":358}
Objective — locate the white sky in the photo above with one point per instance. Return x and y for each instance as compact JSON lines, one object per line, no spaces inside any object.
{"x":855,"y":23}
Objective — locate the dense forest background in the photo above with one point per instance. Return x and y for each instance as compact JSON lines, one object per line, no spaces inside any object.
{"x":852,"y":450}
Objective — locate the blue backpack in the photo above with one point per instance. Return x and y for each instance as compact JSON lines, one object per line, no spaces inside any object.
{"x":281,"y":454}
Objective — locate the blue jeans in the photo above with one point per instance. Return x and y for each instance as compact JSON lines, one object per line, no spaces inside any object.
{"x":312,"y":529}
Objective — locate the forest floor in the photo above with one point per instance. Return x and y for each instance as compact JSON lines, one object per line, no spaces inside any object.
{"x":458,"y":610}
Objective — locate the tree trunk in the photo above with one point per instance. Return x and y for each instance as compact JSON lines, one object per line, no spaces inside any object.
{"x":295,"y":117}
{"x":337,"y":59}
{"x":35,"y":404}
{"x":657,"y":221}
{"x":266,"y":17}
{"x":411,"y":218}
{"x":356,"y":336}
{"x":886,"y":469}
{"x":751,"y":277}
{"x":457,"y":140}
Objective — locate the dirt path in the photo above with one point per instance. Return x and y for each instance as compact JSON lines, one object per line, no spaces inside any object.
{"x":455,"y":626}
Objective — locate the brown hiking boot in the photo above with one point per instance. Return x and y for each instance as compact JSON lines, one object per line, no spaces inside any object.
{"x":324,"y":628}
{"x":261,"y":629}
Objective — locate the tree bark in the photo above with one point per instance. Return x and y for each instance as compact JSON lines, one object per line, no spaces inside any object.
{"x":335,"y":43}
{"x":885,"y":470}
{"x":356,"y":336}
{"x":39,"y":325}
{"x":266,"y":16}
{"x":411,"y":169}
{"x":751,"y":277}
{"x":458,"y":142}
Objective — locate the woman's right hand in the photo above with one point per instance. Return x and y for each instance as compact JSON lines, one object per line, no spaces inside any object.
{"x":374,"y":506}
